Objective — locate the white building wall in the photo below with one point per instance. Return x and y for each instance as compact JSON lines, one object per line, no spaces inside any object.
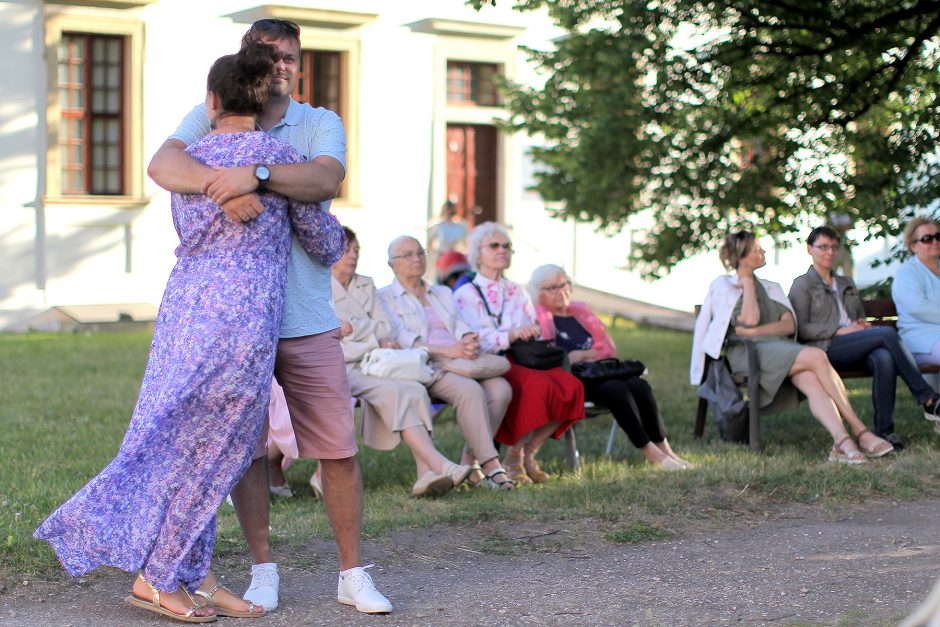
{"x":55,"y":254}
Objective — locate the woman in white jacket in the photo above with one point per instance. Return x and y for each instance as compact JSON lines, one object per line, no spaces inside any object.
{"x":742,"y":306}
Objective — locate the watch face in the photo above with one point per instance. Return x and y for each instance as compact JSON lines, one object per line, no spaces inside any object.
{"x":262,"y":173}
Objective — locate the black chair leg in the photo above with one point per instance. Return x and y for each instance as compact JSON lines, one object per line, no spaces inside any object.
{"x":700,"y":414}
{"x":571,"y":450}
{"x":753,"y":397}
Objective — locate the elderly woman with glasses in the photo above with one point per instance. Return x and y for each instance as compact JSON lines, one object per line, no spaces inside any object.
{"x":829,"y":315}
{"x":392,"y":409}
{"x":424,"y":315}
{"x":544,"y":402}
{"x":916,"y":292}
{"x":582,"y":335}
{"x":741,"y":306}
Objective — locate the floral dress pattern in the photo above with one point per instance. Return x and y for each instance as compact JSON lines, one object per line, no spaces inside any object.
{"x":538,"y":396}
{"x":205,"y":389}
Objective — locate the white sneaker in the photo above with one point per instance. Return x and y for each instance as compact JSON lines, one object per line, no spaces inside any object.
{"x":357,"y":588}
{"x":264,"y":585}
{"x":281,"y":490}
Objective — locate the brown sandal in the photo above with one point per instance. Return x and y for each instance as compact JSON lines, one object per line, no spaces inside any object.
{"x":881,"y":447}
{"x":154,"y":606}
{"x":837,"y":454}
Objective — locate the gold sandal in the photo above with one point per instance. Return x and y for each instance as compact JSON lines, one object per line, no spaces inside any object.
{"x":517,"y":474}
{"x":154,"y":606}
{"x":221,"y":611}
{"x":535,"y":471}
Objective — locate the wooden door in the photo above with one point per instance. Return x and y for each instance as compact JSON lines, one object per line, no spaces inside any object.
{"x":471,"y":171}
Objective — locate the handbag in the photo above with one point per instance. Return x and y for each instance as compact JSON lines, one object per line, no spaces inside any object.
{"x":409,"y":364}
{"x":537,"y":354}
{"x":485,"y":366}
{"x":606,"y":369}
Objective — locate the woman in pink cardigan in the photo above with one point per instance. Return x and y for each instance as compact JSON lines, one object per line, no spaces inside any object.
{"x":576,"y":329}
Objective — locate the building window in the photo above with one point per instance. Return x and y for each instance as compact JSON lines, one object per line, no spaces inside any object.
{"x":320,"y":83}
{"x":92,"y":104}
{"x":472,"y":84}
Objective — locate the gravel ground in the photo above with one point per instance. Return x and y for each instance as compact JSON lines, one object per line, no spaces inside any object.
{"x":868,"y":566}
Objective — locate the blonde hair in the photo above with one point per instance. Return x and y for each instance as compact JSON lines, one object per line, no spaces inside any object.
{"x":911,"y":229}
{"x":735,"y":247}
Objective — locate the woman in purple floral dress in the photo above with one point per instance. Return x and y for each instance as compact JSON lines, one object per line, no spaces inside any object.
{"x":205,"y":390}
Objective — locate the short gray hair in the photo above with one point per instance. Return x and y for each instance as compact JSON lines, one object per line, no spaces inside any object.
{"x":480,"y":233}
{"x":399,"y":240}
{"x":541,"y":276}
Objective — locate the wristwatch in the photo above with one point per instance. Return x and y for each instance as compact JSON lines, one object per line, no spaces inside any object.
{"x":263,"y":174}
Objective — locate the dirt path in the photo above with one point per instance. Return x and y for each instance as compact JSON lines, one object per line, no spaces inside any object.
{"x":870,"y":566}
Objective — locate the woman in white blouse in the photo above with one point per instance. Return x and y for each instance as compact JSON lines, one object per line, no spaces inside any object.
{"x":544,"y":402}
{"x":392,"y":409}
{"x":424,"y":315}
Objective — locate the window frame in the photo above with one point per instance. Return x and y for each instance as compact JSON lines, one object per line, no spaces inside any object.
{"x":347,"y":46}
{"x":131,"y":125}
{"x":473,"y":85}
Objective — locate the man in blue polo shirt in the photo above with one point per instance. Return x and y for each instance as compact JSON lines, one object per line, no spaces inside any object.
{"x":310,"y":365}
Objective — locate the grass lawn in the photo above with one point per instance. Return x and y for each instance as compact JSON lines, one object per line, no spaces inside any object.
{"x":66,"y":401}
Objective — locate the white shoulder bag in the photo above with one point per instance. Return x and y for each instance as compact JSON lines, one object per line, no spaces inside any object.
{"x":410,"y":364}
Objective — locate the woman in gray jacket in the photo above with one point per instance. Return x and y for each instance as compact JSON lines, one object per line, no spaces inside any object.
{"x":830,"y":316}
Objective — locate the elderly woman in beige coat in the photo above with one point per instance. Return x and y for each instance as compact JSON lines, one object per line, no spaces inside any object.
{"x":392,"y":409}
{"x":424,"y":315}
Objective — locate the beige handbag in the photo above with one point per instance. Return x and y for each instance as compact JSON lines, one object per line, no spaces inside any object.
{"x":483,"y":367}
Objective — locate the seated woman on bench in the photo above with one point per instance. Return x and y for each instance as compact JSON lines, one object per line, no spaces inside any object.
{"x":741,"y":306}
{"x":916,"y":292}
{"x":829,"y":315}
{"x":582,"y":335}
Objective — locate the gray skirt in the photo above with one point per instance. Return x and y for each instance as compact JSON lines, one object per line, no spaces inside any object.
{"x":775,"y":357}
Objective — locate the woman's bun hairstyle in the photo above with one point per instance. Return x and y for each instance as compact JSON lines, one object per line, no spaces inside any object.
{"x":242,"y":81}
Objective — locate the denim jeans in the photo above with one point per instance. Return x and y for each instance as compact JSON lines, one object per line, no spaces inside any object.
{"x":879,"y":351}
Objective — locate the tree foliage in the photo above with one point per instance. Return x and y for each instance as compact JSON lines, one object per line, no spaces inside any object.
{"x":716,"y":114}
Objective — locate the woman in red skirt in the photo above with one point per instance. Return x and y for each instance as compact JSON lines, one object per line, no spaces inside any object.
{"x":544,"y":402}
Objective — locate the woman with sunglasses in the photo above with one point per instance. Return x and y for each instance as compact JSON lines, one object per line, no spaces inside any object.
{"x":829,"y":315}
{"x":582,"y":335}
{"x":544,"y":402}
{"x":916,"y":292}
{"x":741,"y":306}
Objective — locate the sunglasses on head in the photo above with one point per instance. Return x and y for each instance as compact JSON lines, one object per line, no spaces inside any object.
{"x":933,"y":237}
{"x":271,"y":24}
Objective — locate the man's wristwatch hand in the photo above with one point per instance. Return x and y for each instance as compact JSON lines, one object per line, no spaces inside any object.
{"x":263,"y":175}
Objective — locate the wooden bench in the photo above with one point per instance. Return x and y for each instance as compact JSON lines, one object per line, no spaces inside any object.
{"x":879,"y":312}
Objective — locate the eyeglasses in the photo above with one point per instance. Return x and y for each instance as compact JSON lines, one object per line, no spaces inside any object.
{"x":555,"y":288}
{"x":268,"y":25}
{"x":933,"y":237}
{"x":411,"y":254}
{"x":826,"y":248}
{"x":497,"y":245}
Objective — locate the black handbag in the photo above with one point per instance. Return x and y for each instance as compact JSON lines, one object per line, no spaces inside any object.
{"x":606,"y":369}
{"x":536,"y":354}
